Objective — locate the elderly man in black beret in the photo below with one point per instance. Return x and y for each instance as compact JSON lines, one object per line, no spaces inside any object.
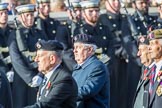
{"x":143,"y":84}
{"x":91,"y":75}
{"x":58,"y":89}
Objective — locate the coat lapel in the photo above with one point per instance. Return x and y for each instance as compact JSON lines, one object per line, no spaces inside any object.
{"x":143,"y":81}
{"x":50,"y":82}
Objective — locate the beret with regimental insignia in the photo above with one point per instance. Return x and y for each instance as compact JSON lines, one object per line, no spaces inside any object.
{"x":50,"y":45}
{"x":155,"y":34}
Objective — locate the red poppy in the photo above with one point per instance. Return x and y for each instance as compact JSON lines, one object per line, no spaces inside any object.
{"x":48,"y":85}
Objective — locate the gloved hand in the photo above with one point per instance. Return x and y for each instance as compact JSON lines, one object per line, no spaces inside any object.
{"x":36,"y":81}
{"x":10,"y":76}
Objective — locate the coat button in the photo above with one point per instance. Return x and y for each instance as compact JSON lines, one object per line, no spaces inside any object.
{"x":53,"y":31}
{"x":51,"y":22}
{"x":138,"y":28}
{"x":109,"y":17}
{"x":104,"y":37}
{"x":114,"y":25}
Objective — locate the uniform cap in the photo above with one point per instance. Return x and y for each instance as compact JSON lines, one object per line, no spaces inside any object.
{"x":3,"y":6}
{"x":74,"y":3}
{"x":155,"y":34}
{"x":90,"y":4}
{"x":140,"y":0}
{"x":84,"y":38}
{"x":159,"y":2}
{"x":50,"y":45}
{"x":43,"y":1}
{"x":25,"y":8}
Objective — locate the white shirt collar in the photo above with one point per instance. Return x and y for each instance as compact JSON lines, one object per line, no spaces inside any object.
{"x":49,"y":74}
{"x":151,"y":65}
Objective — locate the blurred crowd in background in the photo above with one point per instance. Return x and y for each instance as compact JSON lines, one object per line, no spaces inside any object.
{"x":59,"y":5}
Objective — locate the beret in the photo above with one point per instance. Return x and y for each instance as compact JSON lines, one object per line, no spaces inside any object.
{"x":84,"y":38}
{"x":50,"y":45}
{"x":155,"y":34}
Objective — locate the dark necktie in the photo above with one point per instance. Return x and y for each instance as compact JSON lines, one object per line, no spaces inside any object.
{"x":43,"y":84}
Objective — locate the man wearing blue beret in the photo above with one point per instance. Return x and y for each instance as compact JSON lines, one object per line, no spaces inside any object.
{"x":91,"y":74}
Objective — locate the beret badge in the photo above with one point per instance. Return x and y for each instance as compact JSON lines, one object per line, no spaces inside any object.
{"x":38,"y":45}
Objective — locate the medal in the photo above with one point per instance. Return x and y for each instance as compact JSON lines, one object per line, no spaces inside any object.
{"x":159,"y":90}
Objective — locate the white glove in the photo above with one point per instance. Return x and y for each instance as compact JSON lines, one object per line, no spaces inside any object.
{"x":36,"y":81}
{"x":10,"y":76}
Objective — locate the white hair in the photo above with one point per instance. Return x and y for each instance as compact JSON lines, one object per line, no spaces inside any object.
{"x":160,"y":41}
{"x":91,"y":45}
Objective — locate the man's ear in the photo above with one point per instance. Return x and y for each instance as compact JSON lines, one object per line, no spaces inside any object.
{"x":52,"y":59}
{"x":90,"y":49}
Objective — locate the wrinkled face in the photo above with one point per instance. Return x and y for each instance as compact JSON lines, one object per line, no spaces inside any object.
{"x":91,"y":14}
{"x":112,"y":5}
{"x":27,"y":19}
{"x":45,"y":61}
{"x":143,"y":53}
{"x":3,"y":17}
{"x":155,"y":49}
{"x":81,"y":52}
{"x":142,"y":6}
{"x":44,"y":9}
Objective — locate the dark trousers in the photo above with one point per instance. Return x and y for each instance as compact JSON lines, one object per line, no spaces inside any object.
{"x":118,"y":83}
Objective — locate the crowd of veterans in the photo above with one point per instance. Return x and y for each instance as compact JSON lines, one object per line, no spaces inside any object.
{"x":91,"y":60}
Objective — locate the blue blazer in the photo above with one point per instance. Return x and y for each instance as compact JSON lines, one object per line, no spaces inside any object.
{"x":93,"y":84}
